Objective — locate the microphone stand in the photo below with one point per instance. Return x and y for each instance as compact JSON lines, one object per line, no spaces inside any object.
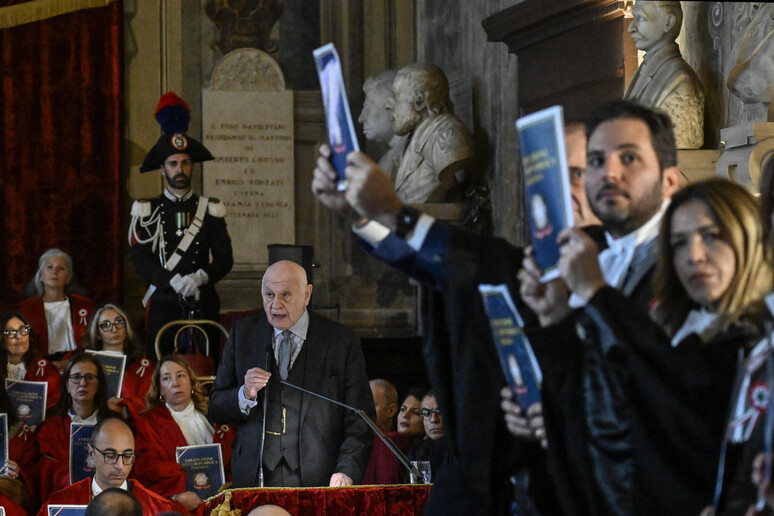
{"x":360,"y":412}
{"x":263,"y":425}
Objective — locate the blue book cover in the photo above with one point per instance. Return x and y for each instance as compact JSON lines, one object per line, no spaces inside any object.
{"x":203,"y":464}
{"x":28,"y":399}
{"x":341,"y":130}
{"x":81,"y":463}
{"x":66,"y":510}
{"x":3,"y":439}
{"x":517,"y":358}
{"x":547,"y":184}
{"x":113,"y":364}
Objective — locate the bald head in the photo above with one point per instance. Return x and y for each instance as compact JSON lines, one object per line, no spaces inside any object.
{"x":268,"y":510}
{"x":285,"y":294}
{"x":112,"y":437}
{"x":114,"y":501}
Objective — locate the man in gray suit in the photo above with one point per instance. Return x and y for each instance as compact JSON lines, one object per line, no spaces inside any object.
{"x":309,"y":442}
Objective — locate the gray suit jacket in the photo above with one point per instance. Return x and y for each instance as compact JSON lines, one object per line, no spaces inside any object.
{"x":332,"y":439}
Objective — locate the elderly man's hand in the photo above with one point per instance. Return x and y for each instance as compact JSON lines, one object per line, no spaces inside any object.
{"x":529,"y":426}
{"x":255,"y":380}
{"x":579,"y":263}
{"x":340,"y":480}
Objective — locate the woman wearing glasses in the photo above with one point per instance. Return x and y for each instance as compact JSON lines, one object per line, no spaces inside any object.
{"x":176,"y":416}
{"x":83,"y":400}
{"x":17,"y":473}
{"x":18,"y":360}
{"x":59,"y":318}
{"x":109,"y":331}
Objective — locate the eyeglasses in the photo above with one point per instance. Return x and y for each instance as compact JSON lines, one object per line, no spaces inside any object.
{"x":76,"y":378}
{"x":111,"y":457}
{"x":17,"y":334}
{"x":415,"y":411}
{"x":108,"y":326}
{"x":429,"y":413}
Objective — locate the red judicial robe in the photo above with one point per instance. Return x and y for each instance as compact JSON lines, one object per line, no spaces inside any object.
{"x":383,"y":466}
{"x":12,"y":508}
{"x":41,"y":370}
{"x":138,"y":377}
{"x":53,"y":438}
{"x":81,"y":310}
{"x":23,"y":449}
{"x":157,"y":437}
{"x":80,"y":494}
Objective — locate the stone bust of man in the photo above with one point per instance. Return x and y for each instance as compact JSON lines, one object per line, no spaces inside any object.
{"x":664,"y":80}
{"x":377,"y":120}
{"x":439,"y":146}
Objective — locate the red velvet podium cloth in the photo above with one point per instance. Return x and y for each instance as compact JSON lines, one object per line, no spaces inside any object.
{"x":392,"y":500}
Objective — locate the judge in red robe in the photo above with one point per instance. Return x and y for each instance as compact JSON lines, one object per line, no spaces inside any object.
{"x":114,"y":454}
{"x":84,"y":400}
{"x":109,"y":331}
{"x":51,"y":282}
{"x":176,"y":417}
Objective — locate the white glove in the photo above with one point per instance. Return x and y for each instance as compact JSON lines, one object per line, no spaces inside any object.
{"x":190,"y":283}
{"x":176,"y":283}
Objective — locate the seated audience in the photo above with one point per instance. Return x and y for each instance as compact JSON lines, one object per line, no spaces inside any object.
{"x":116,"y":502}
{"x":671,"y":377}
{"x":18,"y":359}
{"x":83,"y":400}
{"x":17,"y":472}
{"x":113,"y":450}
{"x":59,"y":318}
{"x":109,"y":330}
{"x":435,"y":448}
{"x":410,"y":414}
{"x":176,"y":416}
{"x":383,"y":466}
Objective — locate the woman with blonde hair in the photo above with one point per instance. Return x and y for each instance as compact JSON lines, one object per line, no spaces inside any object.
{"x":110,"y":331}
{"x":176,"y":415}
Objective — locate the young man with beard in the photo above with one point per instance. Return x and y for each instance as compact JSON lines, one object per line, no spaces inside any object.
{"x":173,"y":235}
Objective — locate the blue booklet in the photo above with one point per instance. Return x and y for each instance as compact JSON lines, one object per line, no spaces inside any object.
{"x":28,"y":399}
{"x":547,"y":184}
{"x":203,"y":463}
{"x":113,"y":364}
{"x":341,"y":130}
{"x":66,"y":510}
{"x":517,"y":358}
{"x":81,"y":463}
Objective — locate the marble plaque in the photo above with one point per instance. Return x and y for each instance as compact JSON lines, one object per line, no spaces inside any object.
{"x":250,"y":134}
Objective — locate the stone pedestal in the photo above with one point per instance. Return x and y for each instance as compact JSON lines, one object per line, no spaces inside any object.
{"x":746,"y":147}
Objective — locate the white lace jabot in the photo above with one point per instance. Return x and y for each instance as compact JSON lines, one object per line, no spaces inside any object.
{"x":195,"y":427}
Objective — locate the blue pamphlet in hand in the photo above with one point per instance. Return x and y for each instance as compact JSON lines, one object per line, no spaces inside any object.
{"x":341,"y":130}
{"x":81,"y":463}
{"x":547,"y":192}
{"x":516,"y":356}
{"x":28,"y":399}
{"x":3,"y":440}
{"x":113,"y":364}
{"x":203,"y":465}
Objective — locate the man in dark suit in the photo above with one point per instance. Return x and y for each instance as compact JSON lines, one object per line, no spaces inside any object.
{"x":308,"y":441}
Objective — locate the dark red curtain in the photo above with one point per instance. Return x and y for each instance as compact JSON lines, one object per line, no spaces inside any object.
{"x":60,"y":135}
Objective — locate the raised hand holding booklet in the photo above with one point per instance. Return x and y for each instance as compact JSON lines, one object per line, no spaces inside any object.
{"x":517,"y":358}
{"x":203,"y":464}
{"x":341,"y":130}
{"x":28,"y":399}
{"x":547,"y":191}
{"x":113,"y":364}
{"x":81,"y":463}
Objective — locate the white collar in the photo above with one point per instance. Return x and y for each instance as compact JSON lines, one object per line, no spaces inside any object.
{"x":178,"y":198}
{"x":300,"y":328}
{"x":641,"y":235}
{"x":95,"y":489}
{"x":695,"y":322}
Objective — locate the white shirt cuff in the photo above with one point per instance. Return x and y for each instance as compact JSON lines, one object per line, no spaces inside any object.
{"x":373,"y":232}
{"x":244,"y":404}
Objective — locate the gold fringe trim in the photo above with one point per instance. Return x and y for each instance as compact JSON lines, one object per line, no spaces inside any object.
{"x":37,"y":10}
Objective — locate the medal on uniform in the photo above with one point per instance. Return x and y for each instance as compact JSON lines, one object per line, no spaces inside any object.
{"x":182,"y":221}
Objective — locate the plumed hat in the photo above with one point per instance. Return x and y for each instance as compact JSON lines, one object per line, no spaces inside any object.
{"x":173,"y":115}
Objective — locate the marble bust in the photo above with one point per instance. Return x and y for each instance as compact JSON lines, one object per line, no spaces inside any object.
{"x":377,"y":120}
{"x":439,"y":146}
{"x":664,"y":80}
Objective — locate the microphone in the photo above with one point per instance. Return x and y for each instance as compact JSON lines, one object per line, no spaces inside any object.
{"x":360,"y":412}
{"x":263,"y":363}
